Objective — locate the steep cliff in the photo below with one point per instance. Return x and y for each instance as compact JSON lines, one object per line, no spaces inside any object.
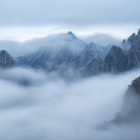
{"x":124,"y":58}
{"x":6,"y":61}
{"x":115,"y":61}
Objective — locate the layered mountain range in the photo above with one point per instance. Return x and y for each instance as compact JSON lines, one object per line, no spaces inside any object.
{"x":70,"y":56}
{"x":67,"y":54}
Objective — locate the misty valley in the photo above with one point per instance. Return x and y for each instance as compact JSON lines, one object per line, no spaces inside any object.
{"x":59,"y":87}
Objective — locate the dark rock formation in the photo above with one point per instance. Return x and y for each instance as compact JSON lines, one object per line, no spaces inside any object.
{"x":134,"y":88}
{"x":119,"y":60}
{"x":134,"y":54}
{"x":131,"y":38}
{"x":115,"y":61}
{"x":6,"y":61}
{"x":123,"y":41}
{"x":130,"y":112}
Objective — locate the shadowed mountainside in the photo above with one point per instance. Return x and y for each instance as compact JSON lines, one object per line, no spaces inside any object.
{"x":124,"y":58}
{"x":6,"y":61}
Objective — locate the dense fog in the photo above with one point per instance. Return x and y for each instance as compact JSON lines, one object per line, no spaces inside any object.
{"x":35,"y":105}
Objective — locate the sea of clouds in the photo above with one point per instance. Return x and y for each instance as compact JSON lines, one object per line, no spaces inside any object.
{"x":39,"y":106}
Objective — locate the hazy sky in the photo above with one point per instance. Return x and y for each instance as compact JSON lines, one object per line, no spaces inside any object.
{"x":25,"y":19}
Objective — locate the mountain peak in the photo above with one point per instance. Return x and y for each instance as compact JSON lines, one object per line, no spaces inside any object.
{"x":114,"y":61}
{"x":6,"y":61}
{"x":71,"y":34}
{"x":131,"y":38}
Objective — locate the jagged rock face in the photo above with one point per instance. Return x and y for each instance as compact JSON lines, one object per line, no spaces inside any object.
{"x":115,"y":61}
{"x":134,"y":55}
{"x":89,"y":60}
{"x":131,"y":38}
{"x":130,"y":110}
{"x":135,"y":86}
{"x":131,"y":103}
{"x":119,"y":60}
{"x":123,"y":41}
{"x":6,"y":61}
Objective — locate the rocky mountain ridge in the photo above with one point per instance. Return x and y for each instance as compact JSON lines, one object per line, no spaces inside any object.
{"x":124,"y":58}
{"x":75,"y":56}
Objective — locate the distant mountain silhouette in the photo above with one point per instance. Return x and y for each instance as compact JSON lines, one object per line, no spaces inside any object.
{"x":73,"y":55}
{"x":67,"y":54}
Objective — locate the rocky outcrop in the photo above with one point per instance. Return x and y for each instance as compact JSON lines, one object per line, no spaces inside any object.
{"x":125,"y":58}
{"x":89,"y":60}
{"x":115,"y":61}
{"x":131,"y":38}
{"x":130,"y":111}
{"x":6,"y":61}
{"x":134,"y":54}
{"x":124,"y":41}
{"x":134,"y":87}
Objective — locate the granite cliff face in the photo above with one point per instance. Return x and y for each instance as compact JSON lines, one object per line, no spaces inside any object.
{"x":6,"y":61}
{"x":134,"y":54}
{"x":130,"y":111}
{"x":115,"y":61}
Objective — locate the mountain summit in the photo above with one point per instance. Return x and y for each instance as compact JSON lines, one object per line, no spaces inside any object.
{"x":71,"y":34}
{"x":6,"y":61}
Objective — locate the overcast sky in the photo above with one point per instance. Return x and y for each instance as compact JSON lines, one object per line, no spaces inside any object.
{"x":25,"y":19}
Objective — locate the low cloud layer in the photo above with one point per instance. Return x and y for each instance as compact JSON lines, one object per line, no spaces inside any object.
{"x":52,"y":108}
